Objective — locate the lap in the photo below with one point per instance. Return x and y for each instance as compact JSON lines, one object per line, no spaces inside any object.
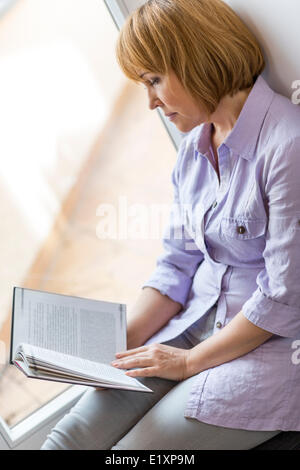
{"x":164,"y":427}
{"x":101,"y":417}
{"x":118,"y":419}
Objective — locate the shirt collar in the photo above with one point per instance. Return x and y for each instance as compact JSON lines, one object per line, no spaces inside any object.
{"x":244,"y":135}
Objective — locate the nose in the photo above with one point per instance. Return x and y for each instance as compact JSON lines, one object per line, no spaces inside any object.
{"x":153,"y":100}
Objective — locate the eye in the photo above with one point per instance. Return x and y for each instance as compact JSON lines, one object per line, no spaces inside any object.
{"x":151,"y":83}
{"x":155,"y":81}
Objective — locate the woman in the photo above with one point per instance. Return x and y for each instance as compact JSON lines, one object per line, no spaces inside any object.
{"x":213,"y":330}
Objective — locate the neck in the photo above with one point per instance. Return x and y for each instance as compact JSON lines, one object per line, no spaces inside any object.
{"x":227,"y":112}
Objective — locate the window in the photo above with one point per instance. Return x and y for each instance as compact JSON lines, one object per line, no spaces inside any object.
{"x":5,"y":5}
{"x":73,"y":133}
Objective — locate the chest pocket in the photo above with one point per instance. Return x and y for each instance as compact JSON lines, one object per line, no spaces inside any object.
{"x":243,"y":229}
{"x":243,"y":240}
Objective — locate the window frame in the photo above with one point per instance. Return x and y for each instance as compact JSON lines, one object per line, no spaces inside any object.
{"x":5,"y":5}
{"x":31,"y":432}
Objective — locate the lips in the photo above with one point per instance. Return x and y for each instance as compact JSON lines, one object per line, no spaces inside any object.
{"x":171,"y":116}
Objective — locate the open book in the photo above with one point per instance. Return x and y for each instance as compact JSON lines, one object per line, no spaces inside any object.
{"x":69,"y":339}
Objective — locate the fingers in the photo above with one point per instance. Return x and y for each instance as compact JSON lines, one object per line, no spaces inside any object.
{"x":145,"y":372}
{"x":130,"y":362}
{"x":131,"y":351}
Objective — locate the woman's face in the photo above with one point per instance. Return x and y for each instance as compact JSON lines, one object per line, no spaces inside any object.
{"x":167,"y":93}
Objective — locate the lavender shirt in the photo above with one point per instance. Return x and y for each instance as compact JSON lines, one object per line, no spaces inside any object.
{"x":240,"y":249}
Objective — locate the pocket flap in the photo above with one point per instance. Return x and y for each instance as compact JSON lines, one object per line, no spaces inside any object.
{"x":243,"y":229}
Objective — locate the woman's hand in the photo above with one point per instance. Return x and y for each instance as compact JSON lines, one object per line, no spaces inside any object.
{"x":155,"y":360}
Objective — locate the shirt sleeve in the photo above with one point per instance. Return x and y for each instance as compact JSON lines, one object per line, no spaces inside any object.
{"x":176,"y":266}
{"x":275,"y":304}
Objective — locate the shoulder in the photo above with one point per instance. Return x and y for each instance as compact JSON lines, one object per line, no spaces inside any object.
{"x":279,"y":142}
{"x":282,"y":123}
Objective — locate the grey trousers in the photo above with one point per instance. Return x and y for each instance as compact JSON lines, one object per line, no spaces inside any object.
{"x":118,"y":419}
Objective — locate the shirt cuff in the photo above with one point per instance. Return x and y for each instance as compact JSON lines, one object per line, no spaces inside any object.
{"x":171,"y":282}
{"x":270,"y":315}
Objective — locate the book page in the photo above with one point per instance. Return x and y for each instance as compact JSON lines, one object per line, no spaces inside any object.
{"x":86,"y":328}
{"x":79,"y":367}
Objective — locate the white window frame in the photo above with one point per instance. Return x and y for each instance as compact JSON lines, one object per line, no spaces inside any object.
{"x":31,"y":432}
{"x":118,"y":10}
{"x":5,"y":5}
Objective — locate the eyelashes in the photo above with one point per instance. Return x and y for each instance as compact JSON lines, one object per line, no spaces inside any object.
{"x":152,"y":83}
{"x":155,"y":81}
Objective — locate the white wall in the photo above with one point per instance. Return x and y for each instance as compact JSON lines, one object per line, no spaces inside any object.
{"x":276,"y":25}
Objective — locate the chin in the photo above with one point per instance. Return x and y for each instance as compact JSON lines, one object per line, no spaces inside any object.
{"x":186,"y":127}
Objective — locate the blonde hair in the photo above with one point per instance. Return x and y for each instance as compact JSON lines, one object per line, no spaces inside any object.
{"x":204,"y":42}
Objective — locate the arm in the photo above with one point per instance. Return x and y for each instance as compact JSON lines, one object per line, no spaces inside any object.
{"x":275,"y":305}
{"x":149,"y":314}
{"x":237,"y":338}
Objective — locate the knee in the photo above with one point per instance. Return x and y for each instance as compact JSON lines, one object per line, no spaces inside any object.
{"x":51,"y":444}
{"x":70,"y":433}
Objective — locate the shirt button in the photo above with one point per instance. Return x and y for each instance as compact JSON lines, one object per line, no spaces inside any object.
{"x":219,"y":324}
{"x":214,"y":204}
{"x":241,"y":229}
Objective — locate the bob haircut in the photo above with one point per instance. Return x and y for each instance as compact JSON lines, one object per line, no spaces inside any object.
{"x":204,"y":42}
